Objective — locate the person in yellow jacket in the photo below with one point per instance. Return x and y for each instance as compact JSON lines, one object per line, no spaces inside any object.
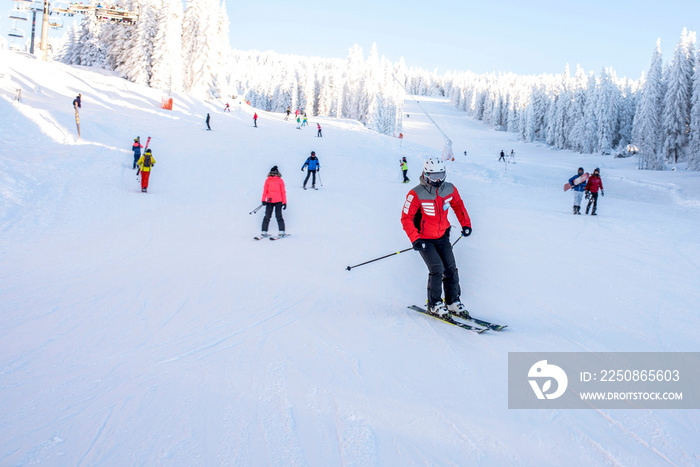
{"x":145,"y":163}
{"x":404,"y":169}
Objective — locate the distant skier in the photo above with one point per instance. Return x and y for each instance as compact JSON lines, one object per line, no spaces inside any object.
{"x":298,"y":123}
{"x":404,"y":169}
{"x":578,"y":191}
{"x":319,"y":135}
{"x":304,"y":121}
{"x":512,"y":157}
{"x":207,"y":121}
{"x":503,"y":156}
{"x":77,"y":100}
{"x":137,"y":150}
{"x":255,"y":120}
{"x":313,"y":165}
{"x":592,"y":187}
{"x":146,"y":163}
{"x":274,"y":198}
{"x":424,"y":219}
{"x":289,"y":111}
{"x":227,"y":108}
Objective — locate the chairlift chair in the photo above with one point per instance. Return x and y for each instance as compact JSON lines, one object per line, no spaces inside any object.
{"x":19,"y":14}
{"x":14,"y":32}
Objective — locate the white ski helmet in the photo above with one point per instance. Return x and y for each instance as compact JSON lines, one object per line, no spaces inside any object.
{"x":434,"y":172}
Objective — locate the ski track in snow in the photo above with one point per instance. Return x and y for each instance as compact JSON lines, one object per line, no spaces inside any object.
{"x":149,"y":329}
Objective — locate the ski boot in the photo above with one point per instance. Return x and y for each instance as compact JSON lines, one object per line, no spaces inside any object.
{"x":457,"y":309}
{"x":281,"y":234}
{"x":264,"y":234}
{"x":440,"y":310}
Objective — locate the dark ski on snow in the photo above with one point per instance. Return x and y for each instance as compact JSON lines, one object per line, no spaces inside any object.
{"x":449,"y":320}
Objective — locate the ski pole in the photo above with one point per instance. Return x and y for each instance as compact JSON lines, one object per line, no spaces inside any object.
{"x":256,"y":209}
{"x":319,"y":177}
{"x":377,"y":259}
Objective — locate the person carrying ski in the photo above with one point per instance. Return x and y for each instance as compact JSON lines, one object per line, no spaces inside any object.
{"x":578,"y":191}
{"x":76,"y":101}
{"x":207,"y":121}
{"x":137,"y":150}
{"x":592,"y":187}
{"x":503,"y":156}
{"x":274,"y":197}
{"x":319,"y":131}
{"x":404,"y":168}
{"x":314,"y":166}
{"x":424,"y":219}
{"x":146,"y":163}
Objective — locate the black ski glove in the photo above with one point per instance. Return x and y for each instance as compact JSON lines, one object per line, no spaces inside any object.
{"x":302,"y":169}
{"x":284,"y":207}
{"x":602,"y":193}
{"x":419,"y":245}
{"x":466,"y":231}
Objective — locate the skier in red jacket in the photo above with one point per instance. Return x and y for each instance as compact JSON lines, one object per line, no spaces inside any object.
{"x":424,"y":219}
{"x":594,"y":184}
{"x":274,"y":197}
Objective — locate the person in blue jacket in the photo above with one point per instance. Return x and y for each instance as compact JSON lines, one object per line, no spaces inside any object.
{"x":578,"y":191}
{"x":314,"y":166}
{"x":137,"y":150}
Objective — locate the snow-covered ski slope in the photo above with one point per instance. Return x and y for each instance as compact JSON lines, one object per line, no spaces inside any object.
{"x":146,"y":329}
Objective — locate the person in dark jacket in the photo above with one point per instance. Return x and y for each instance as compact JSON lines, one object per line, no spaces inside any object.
{"x":503,"y":156}
{"x":594,"y":185}
{"x":578,"y":191}
{"x":137,"y":150}
{"x":314,"y":166}
{"x":76,"y":101}
{"x":207,"y":121}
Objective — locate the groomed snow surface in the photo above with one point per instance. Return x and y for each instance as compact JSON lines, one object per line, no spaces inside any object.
{"x":148,"y":329}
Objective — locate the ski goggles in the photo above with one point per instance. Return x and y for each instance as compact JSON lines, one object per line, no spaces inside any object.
{"x":435,"y":177}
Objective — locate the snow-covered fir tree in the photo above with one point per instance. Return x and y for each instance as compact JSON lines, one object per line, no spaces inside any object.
{"x":676,"y":115}
{"x":647,"y":120}
{"x":694,"y":137}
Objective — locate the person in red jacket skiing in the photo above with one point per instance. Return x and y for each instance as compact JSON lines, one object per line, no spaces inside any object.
{"x":424,"y":219}
{"x":592,"y":187}
{"x":274,"y":197}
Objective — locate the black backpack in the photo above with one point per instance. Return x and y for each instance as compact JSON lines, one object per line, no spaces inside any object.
{"x":147,"y":161}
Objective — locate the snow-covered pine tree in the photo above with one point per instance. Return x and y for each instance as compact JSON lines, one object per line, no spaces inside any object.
{"x":694,"y":145}
{"x":606,"y":112}
{"x":647,"y":119}
{"x":167,"y":48}
{"x":676,"y":116}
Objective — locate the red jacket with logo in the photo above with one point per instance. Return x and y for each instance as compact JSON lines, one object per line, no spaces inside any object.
{"x":594,"y":184}
{"x":273,"y":191}
{"x":424,"y":213}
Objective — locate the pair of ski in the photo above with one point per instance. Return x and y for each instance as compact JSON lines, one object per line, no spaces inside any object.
{"x":478,"y":325}
{"x":272,"y":237}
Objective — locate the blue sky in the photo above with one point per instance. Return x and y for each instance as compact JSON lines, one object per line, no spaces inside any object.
{"x":525,"y":37}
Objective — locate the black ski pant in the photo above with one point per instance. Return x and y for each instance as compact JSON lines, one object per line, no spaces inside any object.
{"x":442,"y":270}
{"x":268,"y":214}
{"x":319,"y":134}
{"x":405,"y":178}
{"x":313,"y":179}
{"x":136,"y":159}
{"x":592,"y":201}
